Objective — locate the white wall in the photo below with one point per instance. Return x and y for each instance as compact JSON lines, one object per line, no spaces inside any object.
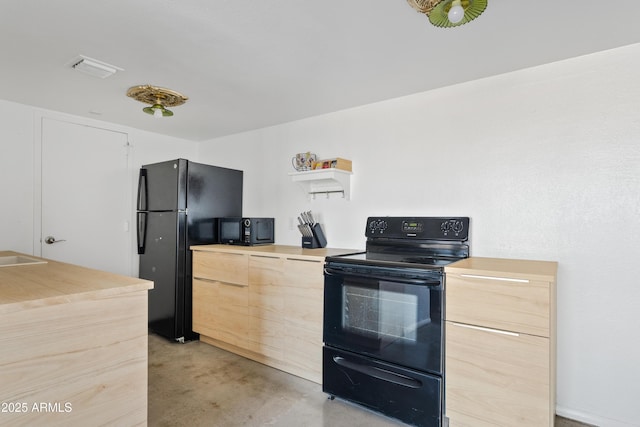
{"x":16,"y":177}
{"x":20,"y":134}
{"x":545,"y":161}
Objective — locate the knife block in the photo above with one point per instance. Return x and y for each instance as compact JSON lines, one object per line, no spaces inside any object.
{"x":317,"y":241}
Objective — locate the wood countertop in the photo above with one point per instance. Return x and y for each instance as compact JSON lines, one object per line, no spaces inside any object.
{"x":53,"y":282}
{"x":277,"y":251}
{"x":501,"y":267}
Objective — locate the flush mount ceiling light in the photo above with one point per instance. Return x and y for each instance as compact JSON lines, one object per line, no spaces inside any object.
{"x":158,"y":97}
{"x":449,"y":13}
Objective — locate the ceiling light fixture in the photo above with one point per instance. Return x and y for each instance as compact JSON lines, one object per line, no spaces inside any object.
{"x":93,"y":67}
{"x":158,"y":97}
{"x":449,"y":13}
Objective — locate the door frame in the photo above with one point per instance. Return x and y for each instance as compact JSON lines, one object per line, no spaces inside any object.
{"x":39,"y":116}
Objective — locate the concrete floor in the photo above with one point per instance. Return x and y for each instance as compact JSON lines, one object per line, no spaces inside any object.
{"x":195,"y":384}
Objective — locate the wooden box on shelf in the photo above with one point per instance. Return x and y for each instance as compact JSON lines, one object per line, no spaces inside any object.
{"x":336,"y":163}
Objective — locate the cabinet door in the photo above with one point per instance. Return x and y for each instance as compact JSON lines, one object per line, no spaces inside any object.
{"x":303,"y":317}
{"x":266,"y":305}
{"x":220,"y":311}
{"x":221,"y":266}
{"x":500,"y":303}
{"x":496,"y":378}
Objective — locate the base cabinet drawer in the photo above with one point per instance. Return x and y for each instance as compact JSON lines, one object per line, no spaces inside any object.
{"x":501,"y":303}
{"x":224,"y":267}
{"x":504,"y":383}
{"x":222,"y":311}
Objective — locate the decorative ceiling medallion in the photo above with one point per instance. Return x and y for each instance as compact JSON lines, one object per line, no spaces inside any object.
{"x":156,"y":95}
{"x":423,"y":6}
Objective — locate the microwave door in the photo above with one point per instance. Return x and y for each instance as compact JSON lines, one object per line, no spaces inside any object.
{"x":229,"y":231}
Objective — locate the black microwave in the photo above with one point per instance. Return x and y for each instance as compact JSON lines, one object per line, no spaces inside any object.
{"x":246,"y":231}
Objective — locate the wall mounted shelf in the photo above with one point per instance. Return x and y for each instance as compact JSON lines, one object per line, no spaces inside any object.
{"x":324,"y":181}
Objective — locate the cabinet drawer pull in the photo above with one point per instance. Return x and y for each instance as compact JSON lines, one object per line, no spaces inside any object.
{"x":303,"y":260}
{"x":506,"y":279}
{"x":480,"y":328}
{"x":265,"y":256}
{"x":204,"y":279}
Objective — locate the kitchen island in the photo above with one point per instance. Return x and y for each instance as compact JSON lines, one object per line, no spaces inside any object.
{"x":73,"y":345}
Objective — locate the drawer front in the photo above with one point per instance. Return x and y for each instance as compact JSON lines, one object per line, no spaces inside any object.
{"x":304,"y":273}
{"x":223,"y":267}
{"x":496,"y":379}
{"x":512,"y":305}
{"x":221,"y":311}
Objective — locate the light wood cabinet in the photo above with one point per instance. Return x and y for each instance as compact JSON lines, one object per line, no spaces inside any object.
{"x":303,"y":288}
{"x":221,"y":290}
{"x":74,"y":340}
{"x":500,"y":342}
{"x":275,"y":317}
{"x":267,"y":305}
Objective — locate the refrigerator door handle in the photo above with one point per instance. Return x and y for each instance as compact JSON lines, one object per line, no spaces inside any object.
{"x":142,"y":232}
{"x":142,"y":190}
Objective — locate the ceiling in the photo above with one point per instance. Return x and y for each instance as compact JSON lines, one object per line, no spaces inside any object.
{"x":251,"y":64}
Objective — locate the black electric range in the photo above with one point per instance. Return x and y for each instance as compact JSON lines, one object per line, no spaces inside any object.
{"x":383,"y":326}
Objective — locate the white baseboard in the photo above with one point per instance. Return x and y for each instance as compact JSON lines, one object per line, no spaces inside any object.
{"x":585,"y":417}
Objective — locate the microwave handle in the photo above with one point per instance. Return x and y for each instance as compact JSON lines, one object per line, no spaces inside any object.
{"x":329,"y":271}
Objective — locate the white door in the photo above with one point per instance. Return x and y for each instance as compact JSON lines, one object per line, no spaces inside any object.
{"x":86,"y":196}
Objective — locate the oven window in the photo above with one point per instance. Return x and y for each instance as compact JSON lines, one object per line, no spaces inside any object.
{"x":381,"y":314}
{"x":393,"y":321}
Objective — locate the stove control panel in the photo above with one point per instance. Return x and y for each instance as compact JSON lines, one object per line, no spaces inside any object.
{"x":377,"y":226}
{"x":426,"y":228}
{"x":412,"y":226}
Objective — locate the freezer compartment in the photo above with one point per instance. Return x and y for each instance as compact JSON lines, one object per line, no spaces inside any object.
{"x":410,"y":396}
{"x":161,"y":186}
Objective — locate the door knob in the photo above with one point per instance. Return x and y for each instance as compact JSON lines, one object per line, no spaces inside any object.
{"x":50,"y":240}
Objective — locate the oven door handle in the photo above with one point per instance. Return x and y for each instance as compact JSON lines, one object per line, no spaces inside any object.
{"x":381,"y":374}
{"x":328,"y":271}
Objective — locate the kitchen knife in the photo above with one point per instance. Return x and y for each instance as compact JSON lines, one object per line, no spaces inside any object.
{"x":313,"y":221}
{"x":308,"y":229}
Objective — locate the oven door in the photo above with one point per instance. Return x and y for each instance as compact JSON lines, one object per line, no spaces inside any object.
{"x":390,"y":314}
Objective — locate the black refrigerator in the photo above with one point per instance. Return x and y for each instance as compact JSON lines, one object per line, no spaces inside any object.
{"x":178,"y":202}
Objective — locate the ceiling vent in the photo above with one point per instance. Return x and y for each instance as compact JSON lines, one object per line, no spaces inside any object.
{"x":93,"y":67}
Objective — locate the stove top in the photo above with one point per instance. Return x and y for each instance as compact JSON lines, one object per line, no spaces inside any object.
{"x":393,"y":260}
{"x":412,"y":242}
